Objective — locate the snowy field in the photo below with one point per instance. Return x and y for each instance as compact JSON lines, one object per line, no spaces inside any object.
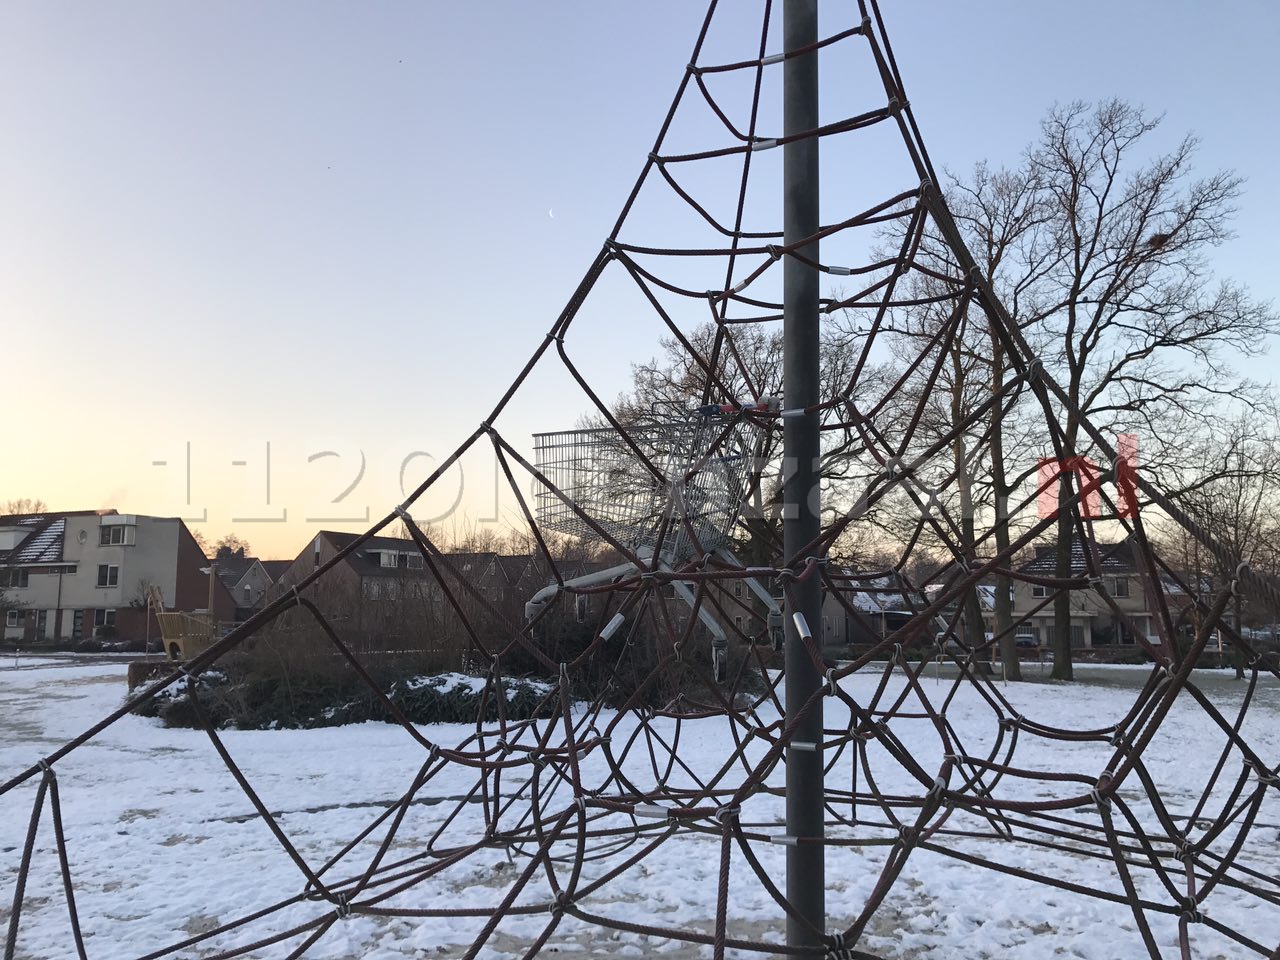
{"x":165,"y":845}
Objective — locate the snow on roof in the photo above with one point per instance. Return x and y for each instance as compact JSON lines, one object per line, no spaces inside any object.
{"x":1116,"y":557}
{"x":44,"y":545}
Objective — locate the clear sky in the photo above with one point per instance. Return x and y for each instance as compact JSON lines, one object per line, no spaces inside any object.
{"x":337,"y":227}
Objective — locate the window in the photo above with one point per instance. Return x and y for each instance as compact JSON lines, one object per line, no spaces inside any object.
{"x":248,"y":594}
{"x":1039,"y":590}
{"x":18,"y":579}
{"x":737,"y":623}
{"x":415,"y":561}
{"x":580,"y":608}
{"x":12,"y":618}
{"x":77,"y":625}
{"x":1120,"y":587}
{"x":111,"y":536}
{"x":104,"y":618}
{"x":108,"y":575}
{"x":737,"y":589}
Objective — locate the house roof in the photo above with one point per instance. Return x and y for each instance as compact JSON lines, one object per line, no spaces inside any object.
{"x":275,"y":568}
{"x":231,"y":569}
{"x":875,"y":595}
{"x":43,"y":544}
{"x":1116,"y":558}
{"x":367,"y":558}
{"x":513,"y":567}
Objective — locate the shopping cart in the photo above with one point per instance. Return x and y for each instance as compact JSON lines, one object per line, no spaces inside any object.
{"x":690,"y":475}
{"x":669,"y":490}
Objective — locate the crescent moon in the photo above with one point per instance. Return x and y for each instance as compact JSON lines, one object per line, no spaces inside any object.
{"x":551,"y":213}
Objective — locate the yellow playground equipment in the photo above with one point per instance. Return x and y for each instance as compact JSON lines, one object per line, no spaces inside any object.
{"x":184,"y":635}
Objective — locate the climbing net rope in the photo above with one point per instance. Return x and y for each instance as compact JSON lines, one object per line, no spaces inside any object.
{"x":587,"y":788}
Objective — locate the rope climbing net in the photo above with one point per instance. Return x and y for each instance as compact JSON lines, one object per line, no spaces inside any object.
{"x":601,"y":779}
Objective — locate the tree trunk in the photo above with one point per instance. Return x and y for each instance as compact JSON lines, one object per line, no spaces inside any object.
{"x":975,"y":635}
{"x":1003,"y":600}
{"x":1062,"y":669}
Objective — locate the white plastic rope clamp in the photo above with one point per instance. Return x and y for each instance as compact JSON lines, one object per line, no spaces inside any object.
{"x":612,"y":626}
{"x":802,"y":625}
{"x":727,"y":814}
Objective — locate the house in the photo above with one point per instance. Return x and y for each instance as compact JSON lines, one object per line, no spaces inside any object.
{"x":387,"y":596}
{"x":85,"y":573}
{"x":1093,"y":622}
{"x":865,"y":607}
{"x":247,"y":578}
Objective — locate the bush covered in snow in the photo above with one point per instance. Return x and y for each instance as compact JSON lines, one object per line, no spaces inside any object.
{"x":233,"y":698}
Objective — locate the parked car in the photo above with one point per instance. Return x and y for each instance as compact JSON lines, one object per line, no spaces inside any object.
{"x":950,"y":643}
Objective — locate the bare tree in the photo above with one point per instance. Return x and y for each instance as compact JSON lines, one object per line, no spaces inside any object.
{"x":23,"y":505}
{"x":750,"y":369}
{"x":230,"y":545}
{"x":1232,"y":492}
{"x":1143,"y":336}
{"x":1100,"y":255}
{"x":201,"y":540}
{"x":999,"y":210}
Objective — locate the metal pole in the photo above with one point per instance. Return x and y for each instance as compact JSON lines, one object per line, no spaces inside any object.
{"x":806,"y":886}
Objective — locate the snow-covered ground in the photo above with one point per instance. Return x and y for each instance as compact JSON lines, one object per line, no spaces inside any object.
{"x":165,"y":845}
